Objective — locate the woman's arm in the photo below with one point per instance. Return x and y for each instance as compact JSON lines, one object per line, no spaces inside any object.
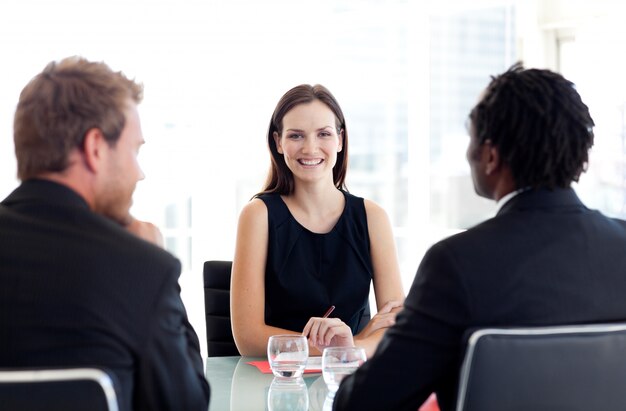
{"x":387,"y":282}
{"x":247,"y":287}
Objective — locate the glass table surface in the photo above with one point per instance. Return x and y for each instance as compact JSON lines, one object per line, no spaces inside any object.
{"x":238,"y":386}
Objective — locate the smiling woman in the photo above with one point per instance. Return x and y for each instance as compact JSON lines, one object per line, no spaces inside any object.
{"x":303,"y":109}
{"x":304,"y":243}
{"x":310,"y":141}
{"x":309,"y":145}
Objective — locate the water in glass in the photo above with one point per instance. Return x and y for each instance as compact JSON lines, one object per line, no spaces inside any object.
{"x":339,"y":362}
{"x":287,"y":355}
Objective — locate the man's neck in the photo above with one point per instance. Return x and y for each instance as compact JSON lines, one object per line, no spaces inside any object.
{"x":504,"y":184}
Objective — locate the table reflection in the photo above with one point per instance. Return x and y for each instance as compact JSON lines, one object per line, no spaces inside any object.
{"x":248,"y":386}
{"x":319,"y":398}
{"x":252,"y":390}
{"x":238,"y":386}
{"x":291,"y":395}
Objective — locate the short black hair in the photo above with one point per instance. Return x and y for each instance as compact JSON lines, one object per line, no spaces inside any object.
{"x":539,"y":124}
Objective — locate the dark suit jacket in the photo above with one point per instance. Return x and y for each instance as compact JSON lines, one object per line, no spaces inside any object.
{"x":545,"y":259}
{"x":78,"y":290}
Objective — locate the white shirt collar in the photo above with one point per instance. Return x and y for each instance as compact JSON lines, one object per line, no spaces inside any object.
{"x":502,"y":201}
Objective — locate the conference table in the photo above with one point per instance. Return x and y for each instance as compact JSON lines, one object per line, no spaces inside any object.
{"x":238,"y":386}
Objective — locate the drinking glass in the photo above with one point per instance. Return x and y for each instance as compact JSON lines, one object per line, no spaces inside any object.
{"x":338,"y":362}
{"x":287,"y":355}
{"x":328,"y":402}
{"x":288,"y":397}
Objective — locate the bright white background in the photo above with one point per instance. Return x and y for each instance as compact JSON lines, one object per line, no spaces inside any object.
{"x":405,"y":72}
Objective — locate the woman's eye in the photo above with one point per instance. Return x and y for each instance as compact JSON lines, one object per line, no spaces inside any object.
{"x":324,"y":134}
{"x":294,"y":136}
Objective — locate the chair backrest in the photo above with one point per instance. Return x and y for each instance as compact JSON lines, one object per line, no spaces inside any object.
{"x":545,"y":368}
{"x":219,"y":333}
{"x":72,"y":389}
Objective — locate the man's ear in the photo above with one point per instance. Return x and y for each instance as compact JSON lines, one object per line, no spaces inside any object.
{"x":493,"y":158}
{"x":93,"y":149}
{"x":277,"y":142}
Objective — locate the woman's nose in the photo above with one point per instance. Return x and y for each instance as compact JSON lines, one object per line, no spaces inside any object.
{"x":310,"y":144}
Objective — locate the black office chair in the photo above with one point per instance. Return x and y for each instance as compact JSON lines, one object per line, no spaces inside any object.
{"x":573,"y":368}
{"x":72,"y":389}
{"x":219,"y":333}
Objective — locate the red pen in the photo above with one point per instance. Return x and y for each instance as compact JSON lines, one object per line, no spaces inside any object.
{"x":330,"y":310}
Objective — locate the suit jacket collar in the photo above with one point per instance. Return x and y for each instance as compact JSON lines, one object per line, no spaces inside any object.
{"x":45,"y":191}
{"x":543,"y":198}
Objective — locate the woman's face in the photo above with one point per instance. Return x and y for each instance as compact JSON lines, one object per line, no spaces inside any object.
{"x":310,"y":142}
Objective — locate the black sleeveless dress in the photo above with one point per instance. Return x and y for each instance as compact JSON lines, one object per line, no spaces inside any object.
{"x":307,"y":272}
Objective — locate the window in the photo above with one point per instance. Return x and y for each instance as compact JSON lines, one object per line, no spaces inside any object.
{"x":598,"y":73}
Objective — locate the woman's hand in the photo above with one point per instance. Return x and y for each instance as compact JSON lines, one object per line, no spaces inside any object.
{"x":384,"y":318}
{"x":328,"y":332}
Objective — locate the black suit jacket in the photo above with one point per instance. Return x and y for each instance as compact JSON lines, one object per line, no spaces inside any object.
{"x":78,"y":290}
{"x":545,"y":259}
